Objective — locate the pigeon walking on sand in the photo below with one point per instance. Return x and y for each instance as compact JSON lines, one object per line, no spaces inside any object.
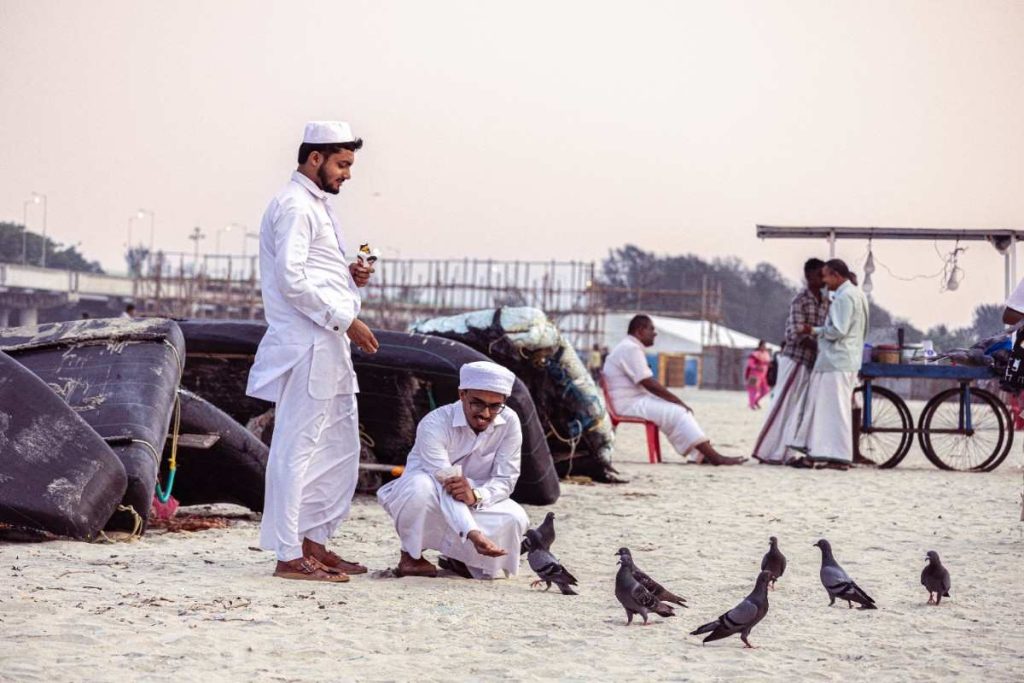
{"x":743,"y":617}
{"x":632,"y":595}
{"x":656,"y":589}
{"x":547,"y":566}
{"x":774,"y":561}
{"x":838,"y":583}
{"x":546,"y":535}
{"x":935,"y":578}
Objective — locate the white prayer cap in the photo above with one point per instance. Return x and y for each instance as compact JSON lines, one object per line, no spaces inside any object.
{"x":327,"y":133}
{"x":486,"y":376}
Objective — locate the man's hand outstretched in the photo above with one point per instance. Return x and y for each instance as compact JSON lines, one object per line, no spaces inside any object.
{"x":484,"y":545}
{"x":362,"y":337}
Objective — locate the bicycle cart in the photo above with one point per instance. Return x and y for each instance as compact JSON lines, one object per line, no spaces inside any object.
{"x":961,"y":428}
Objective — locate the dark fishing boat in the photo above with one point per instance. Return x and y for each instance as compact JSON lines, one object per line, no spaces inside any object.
{"x":57,"y":475}
{"x":120,"y":376}
{"x":410,"y":375}
{"x":218,"y":460}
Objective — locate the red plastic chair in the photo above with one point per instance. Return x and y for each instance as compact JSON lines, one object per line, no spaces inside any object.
{"x":653,"y":439}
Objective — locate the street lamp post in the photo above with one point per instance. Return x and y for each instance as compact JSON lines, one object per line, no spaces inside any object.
{"x":24,"y":233}
{"x":35,"y":198}
{"x":142,"y":213}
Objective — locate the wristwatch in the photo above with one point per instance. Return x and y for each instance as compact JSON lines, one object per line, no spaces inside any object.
{"x":478,"y":495}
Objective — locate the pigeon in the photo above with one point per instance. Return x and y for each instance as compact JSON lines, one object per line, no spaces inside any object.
{"x":546,"y":531}
{"x":838,"y":583}
{"x":656,"y":589}
{"x":547,"y":567}
{"x":743,"y":617}
{"x":774,"y":561}
{"x":935,"y":578}
{"x":632,"y":595}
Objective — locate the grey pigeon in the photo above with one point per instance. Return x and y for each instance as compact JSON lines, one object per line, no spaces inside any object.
{"x":935,"y":578}
{"x":632,"y":595}
{"x":547,"y":567}
{"x":743,"y":617}
{"x":656,"y":589}
{"x":838,"y":583}
{"x":546,"y":531}
{"x":773,"y":560}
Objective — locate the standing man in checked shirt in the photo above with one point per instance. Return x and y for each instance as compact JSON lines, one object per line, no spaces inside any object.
{"x":796,"y":360}
{"x":304,"y":362}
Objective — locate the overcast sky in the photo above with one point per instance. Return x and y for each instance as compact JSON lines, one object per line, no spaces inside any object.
{"x":531,"y":130}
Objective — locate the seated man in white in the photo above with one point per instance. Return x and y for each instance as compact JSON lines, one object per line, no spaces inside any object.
{"x":469,"y":518}
{"x":634,"y":392}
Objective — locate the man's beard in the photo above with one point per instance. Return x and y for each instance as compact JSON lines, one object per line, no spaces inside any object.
{"x":321,"y":179}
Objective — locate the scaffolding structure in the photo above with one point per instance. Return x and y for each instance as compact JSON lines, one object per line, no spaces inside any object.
{"x":404,"y":291}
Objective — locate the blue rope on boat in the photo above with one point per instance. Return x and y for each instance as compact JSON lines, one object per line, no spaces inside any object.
{"x":164,"y":496}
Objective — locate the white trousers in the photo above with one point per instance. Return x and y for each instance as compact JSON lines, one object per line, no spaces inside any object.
{"x":313,"y":466}
{"x":676,"y":422}
{"x":826,"y":427}
{"x":426,"y":517}
{"x":783,"y":418}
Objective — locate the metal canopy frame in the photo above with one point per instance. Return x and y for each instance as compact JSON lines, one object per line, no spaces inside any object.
{"x":1004,"y":240}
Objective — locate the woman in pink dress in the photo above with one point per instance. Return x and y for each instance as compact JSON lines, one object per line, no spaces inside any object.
{"x":756,"y":374}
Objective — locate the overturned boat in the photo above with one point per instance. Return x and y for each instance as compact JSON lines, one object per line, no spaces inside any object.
{"x":217,"y":460}
{"x":409,"y":376}
{"x":120,"y":376}
{"x":570,"y":404}
{"x":57,"y":476}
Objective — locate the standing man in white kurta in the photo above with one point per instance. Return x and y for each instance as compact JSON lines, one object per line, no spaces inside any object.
{"x":469,"y":518}
{"x":825,"y":434}
{"x":304,"y":362}
{"x":634,"y":392}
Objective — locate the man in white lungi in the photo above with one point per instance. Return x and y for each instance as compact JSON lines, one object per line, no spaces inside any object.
{"x":468,"y":515}
{"x":825,"y":434}
{"x":634,"y":392}
{"x":796,"y":360}
{"x":304,"y":362}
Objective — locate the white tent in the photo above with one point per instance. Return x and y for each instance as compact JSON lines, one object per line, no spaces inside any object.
{"x":679,"y":335}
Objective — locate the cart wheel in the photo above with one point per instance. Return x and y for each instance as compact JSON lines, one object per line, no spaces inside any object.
{"x":949,"y":447}
{"x":1010,"y":424}
{"x":888,"y":439}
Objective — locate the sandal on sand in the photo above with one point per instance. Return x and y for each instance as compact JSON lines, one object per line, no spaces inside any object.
{"x":802,"y":463}
{"x":309,"y":570}
{"x":333,"y":562}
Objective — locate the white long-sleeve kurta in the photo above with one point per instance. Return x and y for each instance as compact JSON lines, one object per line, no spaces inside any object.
{"x":426,"y":517}
{"x":304,"y":366}
{"x":309,"y":297}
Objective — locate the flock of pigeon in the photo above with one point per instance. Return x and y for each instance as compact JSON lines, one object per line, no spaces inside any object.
{"x":640,"y":594}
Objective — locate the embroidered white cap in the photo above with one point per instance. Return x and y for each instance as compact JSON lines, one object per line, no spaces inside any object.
{"x":327,"y":133}
{"x":486,"y":376}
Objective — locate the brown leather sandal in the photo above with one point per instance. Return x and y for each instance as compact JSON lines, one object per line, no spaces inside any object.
{"x":308,"y":569}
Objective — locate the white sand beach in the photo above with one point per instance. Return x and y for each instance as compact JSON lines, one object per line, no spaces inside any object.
{"x":203,"y":606}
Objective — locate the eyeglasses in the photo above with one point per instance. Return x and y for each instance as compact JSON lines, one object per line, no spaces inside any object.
{"x":478,"y":406}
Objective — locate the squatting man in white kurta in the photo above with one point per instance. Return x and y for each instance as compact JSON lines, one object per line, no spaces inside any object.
{"x":466,"y":515}
{"x":634,"y":391}
{"x":304,"y":362}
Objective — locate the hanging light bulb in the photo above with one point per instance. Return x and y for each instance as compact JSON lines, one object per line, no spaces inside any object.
{"x":869,"y":265}
{"x":867,"y":286}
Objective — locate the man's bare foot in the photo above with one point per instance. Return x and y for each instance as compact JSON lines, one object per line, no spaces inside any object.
{"x":859,"y":459}
{"x":717,"y":459}
{"x":307,"y":569}
{"x":330,"y":559}
{"x":410,"y":566}
{"x":484,"y":545}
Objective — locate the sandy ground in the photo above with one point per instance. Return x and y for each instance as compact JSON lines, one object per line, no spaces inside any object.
{"x":202,"y":606}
